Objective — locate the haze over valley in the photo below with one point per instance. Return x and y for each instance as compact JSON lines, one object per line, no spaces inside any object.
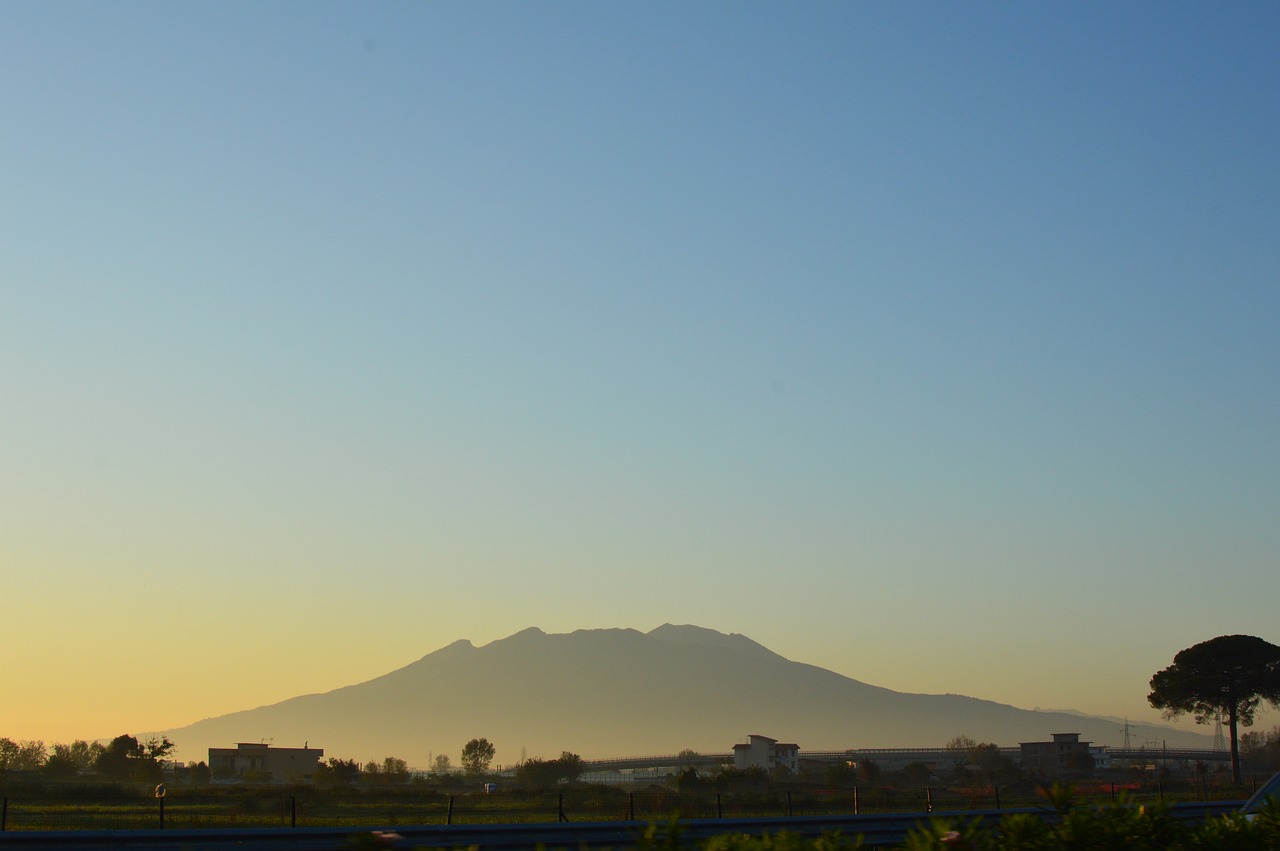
{"x":621,"y":692}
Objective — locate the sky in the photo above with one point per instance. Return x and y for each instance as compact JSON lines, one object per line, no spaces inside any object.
{"x":934,"y":344}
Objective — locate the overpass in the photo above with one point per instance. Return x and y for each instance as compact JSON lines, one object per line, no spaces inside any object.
{"x":676,"y":762}
{"x":889,"y":758}
{"x":1175,"y":754}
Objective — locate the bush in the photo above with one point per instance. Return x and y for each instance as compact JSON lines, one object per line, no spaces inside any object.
{"x":1118,"y":826}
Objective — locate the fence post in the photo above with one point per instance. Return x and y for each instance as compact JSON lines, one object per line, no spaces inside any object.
{"x":631,"y":806}
{"x":928,"y":799}
{"x":560,"y":816}
{"x":293,"y":811}
{"x":1160,"y":790}
{"x":159,"y":793}
{"x":448,"y":819}
{"x":4,"y":814}
{"x":1113,"y":793}
{"x":996,"y":789}
{"x":855,"y":800}
{"x":719,"y":809}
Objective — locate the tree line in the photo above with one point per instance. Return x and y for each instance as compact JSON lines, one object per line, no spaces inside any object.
{"x":124,"y":758}
{"x":476,"y":760}
{"x":1225,"y":679}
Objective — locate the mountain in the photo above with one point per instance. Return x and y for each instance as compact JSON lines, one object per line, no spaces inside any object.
{"x":620,"y":692}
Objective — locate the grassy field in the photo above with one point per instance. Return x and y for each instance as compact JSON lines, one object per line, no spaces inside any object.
{"x":97,"y":808}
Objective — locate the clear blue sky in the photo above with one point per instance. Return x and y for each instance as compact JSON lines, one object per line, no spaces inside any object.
{"x":935,"y":344}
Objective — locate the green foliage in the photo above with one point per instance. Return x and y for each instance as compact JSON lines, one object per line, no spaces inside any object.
{"x":1060,"y":797}
{"x":961,"y":745}
{"x":571,"y":765}
{"x":476,"y":756}
{"x":1231,"y":673}
{"x":950,"y":834}
{"x":1149,"y":828}
{"x":199,"y":773}
{"x":841,"y":775}
{"x":731,"y":778}
{"x":1267,"y":822}
{"x":536,"y":773}
{"x":541,"y":773}
{"x":1261,"y":751}
{"x":441,"y":766}
{"x":1025,"y":832}
{"x":1230,"y":833}
{"x":995,"y":767}
{"x":126,"y":758}
{"x":1118,"y":827}
{"x":337,"y":772}
{"x":1225,"y":677}
{"x":1115,"y":827}
{"x":21,"y":756}
{"x":661,"y":837}
{"x":68,"y":761}
{"x":972,"y":759}
{"x":392,"y":771}
{"x":689,"y":780}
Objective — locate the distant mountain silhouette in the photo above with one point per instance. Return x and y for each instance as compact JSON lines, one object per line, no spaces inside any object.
{"x":620,"y":692}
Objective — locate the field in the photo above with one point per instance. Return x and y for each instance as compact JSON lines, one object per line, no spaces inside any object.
{"x":121,"y":808}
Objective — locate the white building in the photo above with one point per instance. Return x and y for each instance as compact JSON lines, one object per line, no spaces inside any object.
{"x":764,"y":752}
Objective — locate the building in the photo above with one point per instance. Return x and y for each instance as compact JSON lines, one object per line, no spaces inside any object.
{"x":264,"y":763}
{"x":764,"y":752}
{"x":1066,"y":754}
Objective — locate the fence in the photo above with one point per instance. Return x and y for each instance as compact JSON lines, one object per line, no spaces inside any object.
{"x":70,"y":808}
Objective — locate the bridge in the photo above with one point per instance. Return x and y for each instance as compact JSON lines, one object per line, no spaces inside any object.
{"x":1174,"y":754}
{"x":675,"y":762}
{"x":891,"y":758}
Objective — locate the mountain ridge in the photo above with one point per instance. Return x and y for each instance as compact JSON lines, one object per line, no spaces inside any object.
{"x":613,"y":692}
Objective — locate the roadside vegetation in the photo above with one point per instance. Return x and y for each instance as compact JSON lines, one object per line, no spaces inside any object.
{"x":543,"y":793}
{"x":1072,"y":827}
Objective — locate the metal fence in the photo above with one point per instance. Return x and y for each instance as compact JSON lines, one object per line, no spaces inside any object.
{"x":53,"y":808}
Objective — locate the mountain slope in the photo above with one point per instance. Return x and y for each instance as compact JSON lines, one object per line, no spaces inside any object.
{"x":619,"y":692}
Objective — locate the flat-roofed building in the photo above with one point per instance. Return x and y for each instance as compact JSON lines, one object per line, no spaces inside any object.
{"x":265,"y":763}
{"x":1064,"y":755}
{"x":769,"y":754}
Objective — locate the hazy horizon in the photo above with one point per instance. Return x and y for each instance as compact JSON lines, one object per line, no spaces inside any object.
{"x":655,"y":738}
{"x":612,"y":692}
{"x":932,"y":345}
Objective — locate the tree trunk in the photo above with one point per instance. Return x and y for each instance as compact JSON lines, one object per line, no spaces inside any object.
{"x":1232,"y":716}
